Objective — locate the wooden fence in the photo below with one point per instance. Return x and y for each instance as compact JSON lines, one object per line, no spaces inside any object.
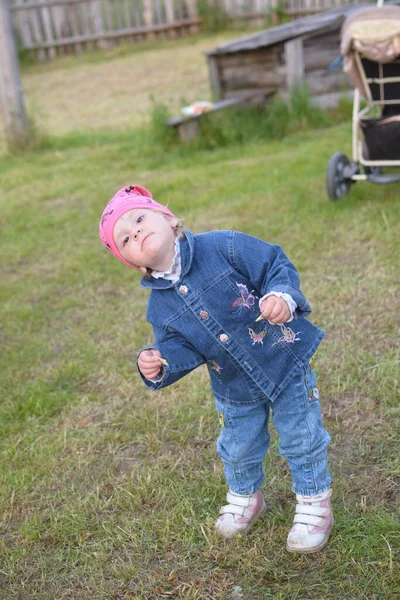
{"x":307,"y":7}
{"x":50,"y":27}
{"x":260,"y":11}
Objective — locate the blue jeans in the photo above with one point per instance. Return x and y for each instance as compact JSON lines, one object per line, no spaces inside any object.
{"x":296,"y":415}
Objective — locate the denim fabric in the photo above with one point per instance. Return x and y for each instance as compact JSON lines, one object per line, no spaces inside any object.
{"x":244,"y":438}
{"x":209,"y":316}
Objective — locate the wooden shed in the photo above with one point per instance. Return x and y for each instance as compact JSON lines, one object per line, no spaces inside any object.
{"x":276,"y":58}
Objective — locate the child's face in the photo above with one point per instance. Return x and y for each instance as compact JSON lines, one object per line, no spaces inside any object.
{"x":146,"y":238}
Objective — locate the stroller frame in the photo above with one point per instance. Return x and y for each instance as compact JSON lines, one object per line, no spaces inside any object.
{"x":358,"y":114}
{"x":342,"y":172}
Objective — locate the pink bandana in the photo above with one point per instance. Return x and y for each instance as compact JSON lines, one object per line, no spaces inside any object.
{"x":127,"y":198}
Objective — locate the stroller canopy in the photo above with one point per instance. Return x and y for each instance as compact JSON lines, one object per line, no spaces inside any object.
{"x":375,"y":34}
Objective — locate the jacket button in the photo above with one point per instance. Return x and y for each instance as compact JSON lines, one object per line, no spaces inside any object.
{"x":203,"y":314}
{"x":183,"y":289}
{"x":223,"y":337}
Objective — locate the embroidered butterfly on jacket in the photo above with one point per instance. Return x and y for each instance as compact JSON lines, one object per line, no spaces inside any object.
{"x":289,"y":336}
{"x":246,"y":298}
{"x":257,"y":337}
{"x":214,"y":366}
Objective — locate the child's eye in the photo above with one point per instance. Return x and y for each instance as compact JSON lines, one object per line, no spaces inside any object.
{"x":126,"y":240}
{"x":139,"y":219}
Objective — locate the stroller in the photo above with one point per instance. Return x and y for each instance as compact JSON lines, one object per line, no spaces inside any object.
{"x":370,"y":46}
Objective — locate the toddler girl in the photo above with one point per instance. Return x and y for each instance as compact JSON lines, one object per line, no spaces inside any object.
{"x":233,"y":302}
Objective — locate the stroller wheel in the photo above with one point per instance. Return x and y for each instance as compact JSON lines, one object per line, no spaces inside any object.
{"x":337,"y":184}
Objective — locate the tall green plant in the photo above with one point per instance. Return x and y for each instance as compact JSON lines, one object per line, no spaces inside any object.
{"x":213,"y":15}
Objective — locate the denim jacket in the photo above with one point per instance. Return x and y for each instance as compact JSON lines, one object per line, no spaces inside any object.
{"x":209,"y":317}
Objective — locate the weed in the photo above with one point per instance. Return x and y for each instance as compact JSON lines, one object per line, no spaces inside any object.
{"x":159,"y":133}
{"x":213,"y":15}
{"x":248,"y":124}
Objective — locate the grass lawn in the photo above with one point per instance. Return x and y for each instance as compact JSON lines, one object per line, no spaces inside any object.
{"x":109,"y":491}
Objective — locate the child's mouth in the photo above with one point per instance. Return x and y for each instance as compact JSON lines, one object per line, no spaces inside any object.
{"x":145,"y":239}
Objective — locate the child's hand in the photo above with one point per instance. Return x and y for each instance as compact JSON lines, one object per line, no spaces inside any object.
{"x":275,"y":310}
{"x":149,"y":363}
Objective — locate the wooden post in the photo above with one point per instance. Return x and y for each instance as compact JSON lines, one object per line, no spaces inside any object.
{"x":294,"y":59}
{"x":12,"y":101}
{"x":214,"y":78}
{"x":189,"y":130}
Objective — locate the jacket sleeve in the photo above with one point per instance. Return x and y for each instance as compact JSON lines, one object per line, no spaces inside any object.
{"x":268,"y":268}
{"x":181,"y":358}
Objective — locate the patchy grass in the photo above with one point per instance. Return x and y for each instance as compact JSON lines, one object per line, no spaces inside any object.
{"x":111,"y":90}
{"x":110,"y":492}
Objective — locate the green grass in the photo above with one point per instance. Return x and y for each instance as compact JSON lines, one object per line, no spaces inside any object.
{"x":110,"y":492}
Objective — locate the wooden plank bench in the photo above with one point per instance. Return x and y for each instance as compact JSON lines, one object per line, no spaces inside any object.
{"x":188,"y":127}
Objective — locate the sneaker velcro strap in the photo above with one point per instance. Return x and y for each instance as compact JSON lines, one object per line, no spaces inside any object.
{"x":233,"y":510}
{"x":308,"y":520}
{"x":309,"y":509}
{"x":238,"y":500}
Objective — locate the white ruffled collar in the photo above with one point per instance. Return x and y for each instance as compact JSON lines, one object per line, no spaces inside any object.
{"x":174,"y":272}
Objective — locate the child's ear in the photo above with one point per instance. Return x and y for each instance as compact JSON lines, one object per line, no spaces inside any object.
{"x":143,"y":270}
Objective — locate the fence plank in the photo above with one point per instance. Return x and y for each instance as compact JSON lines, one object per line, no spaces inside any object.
{"x":191,"y":9}
{"x":85,"y":16}
{"x":37,"y":32}
{"x":48,"y":28}
{"x":158,"y":12}
{"x":108,"y":25}
{"x":60,"y":22}
{"x":117,"y":8}
{"x":127,"y":10}
{"x":148,"y":13}
{"x":74,"y":25}
{"x":24,"y":29}
{"x":96,"y":21}
{"x":169,"y":11}
{"x":137,"y":13}
{"x":148,"y":16}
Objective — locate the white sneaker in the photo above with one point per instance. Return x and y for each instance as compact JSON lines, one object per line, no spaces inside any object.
{"x":240,"y":514}
{"x":312,"y":523}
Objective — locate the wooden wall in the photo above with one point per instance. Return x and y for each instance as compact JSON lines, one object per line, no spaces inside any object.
{"x":260,"y":70}
{"x":276,"y":67}
{"x":318,"y":52}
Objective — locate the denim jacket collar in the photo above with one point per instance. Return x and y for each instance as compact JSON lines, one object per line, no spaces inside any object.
{"x":187,"y":249}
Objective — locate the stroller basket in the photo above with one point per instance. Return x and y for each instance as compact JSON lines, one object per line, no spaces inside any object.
{"x":382,"y":138}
